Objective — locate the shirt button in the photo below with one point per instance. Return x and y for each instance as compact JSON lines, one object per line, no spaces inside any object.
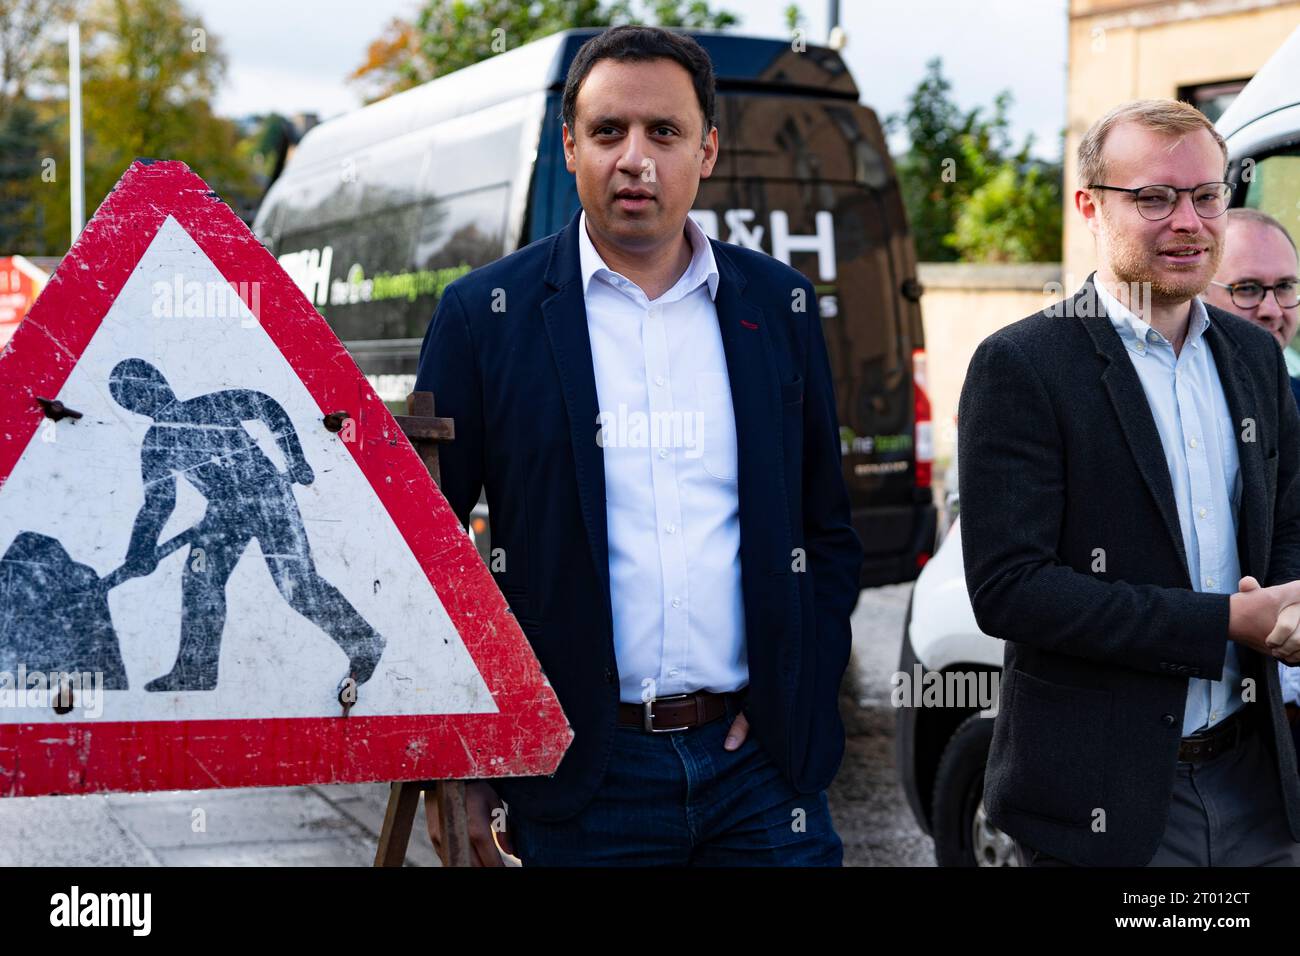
{"x":1151,"y":335}
{"x":674,"y":672}
{"x":677,"y":602}
{"x":670,"y":528}
{"x":1192,"y":443}
{"x":1140,"y":347}
{"x":663,"y":452}
{"x":1203,"y":512}
{"x":1209,"y":582}
{"x":659,"y":380}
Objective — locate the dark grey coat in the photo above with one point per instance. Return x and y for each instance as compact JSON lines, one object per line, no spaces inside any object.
{"x":1060,"y":456}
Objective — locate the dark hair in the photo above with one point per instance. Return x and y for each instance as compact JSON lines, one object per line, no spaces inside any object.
{"x":637,"y":44}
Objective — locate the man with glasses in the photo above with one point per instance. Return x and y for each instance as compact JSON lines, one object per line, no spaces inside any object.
{"x":1257,"y":279}
{"x":1130,"y":472}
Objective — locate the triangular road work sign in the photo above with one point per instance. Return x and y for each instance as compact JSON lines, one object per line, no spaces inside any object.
{"x":197,"y":570}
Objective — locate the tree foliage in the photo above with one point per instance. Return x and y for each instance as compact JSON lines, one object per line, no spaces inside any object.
{"x":149,"y":73}
{"x":446,"y":35}
{"x":968,"y":195}
{"x":1013,"y":215}
{"x":27,"y":27}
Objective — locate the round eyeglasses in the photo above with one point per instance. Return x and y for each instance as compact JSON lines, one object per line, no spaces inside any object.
{"x":1247,"y":295}
{"x":1210,"y":200}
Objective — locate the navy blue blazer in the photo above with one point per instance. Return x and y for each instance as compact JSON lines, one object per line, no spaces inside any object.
{"x":508,"y":357}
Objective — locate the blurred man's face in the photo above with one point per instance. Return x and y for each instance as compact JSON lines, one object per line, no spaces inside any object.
{"x":636,"y":151}
{"x":1177,"y":255}
{"x":1256,"y":252}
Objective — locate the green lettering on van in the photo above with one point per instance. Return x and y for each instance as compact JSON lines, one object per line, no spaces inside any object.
{"x":889,"y":443}
{"x":412,"y":285}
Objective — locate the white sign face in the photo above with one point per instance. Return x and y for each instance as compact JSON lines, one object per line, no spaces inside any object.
{"x":258,"y":569}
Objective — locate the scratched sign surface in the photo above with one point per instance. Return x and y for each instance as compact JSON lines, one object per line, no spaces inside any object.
{"x":196,"y":573}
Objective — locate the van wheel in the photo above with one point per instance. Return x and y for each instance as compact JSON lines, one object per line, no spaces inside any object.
{"x":963,"y":834}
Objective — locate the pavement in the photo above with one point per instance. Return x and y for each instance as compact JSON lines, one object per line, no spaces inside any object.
{"x":339,"y":825}
{"x":258,"y":826}
{"x":867,"y":803}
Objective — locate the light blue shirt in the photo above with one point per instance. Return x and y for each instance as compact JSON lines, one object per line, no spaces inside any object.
{"x":1195,"y":426}
{"x":1290,"y":677}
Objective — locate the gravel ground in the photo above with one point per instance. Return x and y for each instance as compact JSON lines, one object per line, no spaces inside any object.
{"x":870,"y":811}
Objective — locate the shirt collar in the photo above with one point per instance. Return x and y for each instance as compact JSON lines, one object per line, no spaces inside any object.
{"x":703,"y":267}
{"x":1133,"y":329}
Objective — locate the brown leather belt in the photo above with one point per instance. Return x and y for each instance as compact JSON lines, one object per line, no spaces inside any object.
{"x":678,"y":712}
{"x":1219,"y":739}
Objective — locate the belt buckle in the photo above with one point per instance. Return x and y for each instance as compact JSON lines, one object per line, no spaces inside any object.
{"x":647,"y":720}
{"x":1216,"y":740}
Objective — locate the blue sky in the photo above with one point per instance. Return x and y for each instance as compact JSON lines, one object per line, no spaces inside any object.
{"x":293,"y":55}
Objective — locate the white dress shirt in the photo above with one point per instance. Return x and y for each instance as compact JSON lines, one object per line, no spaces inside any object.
{"x":668,"y":435}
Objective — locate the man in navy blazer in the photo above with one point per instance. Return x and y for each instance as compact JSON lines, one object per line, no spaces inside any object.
{"x":687,"y":594}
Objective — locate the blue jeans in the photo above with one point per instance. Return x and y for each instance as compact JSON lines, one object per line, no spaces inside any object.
{"x":680,"y":799}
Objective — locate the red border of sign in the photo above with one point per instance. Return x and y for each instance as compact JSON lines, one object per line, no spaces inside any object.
{"x":527,"y":736}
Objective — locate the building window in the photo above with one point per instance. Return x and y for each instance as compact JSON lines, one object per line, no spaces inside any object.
{"x":1212,"y":98}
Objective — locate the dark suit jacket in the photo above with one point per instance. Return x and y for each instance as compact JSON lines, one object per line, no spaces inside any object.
{"x":519,"y":382}
{"x":1060,"y":456}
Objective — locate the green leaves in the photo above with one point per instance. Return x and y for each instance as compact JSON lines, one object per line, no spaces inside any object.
{"x":447,"y":35}
{"x":968,"y":196}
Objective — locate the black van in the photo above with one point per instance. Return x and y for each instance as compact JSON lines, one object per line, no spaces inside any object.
{"x":377,"y":211}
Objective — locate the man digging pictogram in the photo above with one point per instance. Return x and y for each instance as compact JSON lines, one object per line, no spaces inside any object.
{"x":203,"y":440}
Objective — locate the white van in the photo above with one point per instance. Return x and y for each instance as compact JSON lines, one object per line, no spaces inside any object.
{"x":1262,"y":127}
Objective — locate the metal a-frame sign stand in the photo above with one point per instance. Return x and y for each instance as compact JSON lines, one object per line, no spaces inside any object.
{"x":424,"y":430}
